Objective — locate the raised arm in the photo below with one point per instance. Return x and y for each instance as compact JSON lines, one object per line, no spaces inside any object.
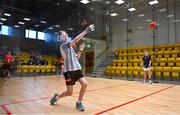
{"x":81,"y":35}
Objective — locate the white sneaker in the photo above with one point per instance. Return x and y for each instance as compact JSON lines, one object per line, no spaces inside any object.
{"x":150,"y":81}
{"x":144,"y":81}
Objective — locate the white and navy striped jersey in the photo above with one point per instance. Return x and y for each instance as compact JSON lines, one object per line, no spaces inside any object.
{"x":71,"y":62}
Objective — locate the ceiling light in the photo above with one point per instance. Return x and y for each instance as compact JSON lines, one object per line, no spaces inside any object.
{"x":140,"y":27}
{"x":57,"y":26}
{"x":91,"y":9}
{"x":44,"y":22}
{"x":27,"y":19}
{"x":3,"y":19}
{"x":21,"y":23}
{"x":148,"y":20}
{"x":6,"y":14}
{"x":125,"y":20}
{"x":162,"y":10}
{"x":36,"y":25}
{"x":153,"y":2}
{"x":141,"y":15}
{"x":70,"y":28}
{"x":85,"y":1}
{"x":170,"y":15}
{"x":68,"y":0}
{"x":96,"y":0}
{"x":1,"y":23}
{"x":119,"y":2}
{"x":132,"y":9}
{"x":58,"y":3}
{"x":113,"y":14}
{"x":50,"y":28}
{"x":107,"y":2}
{"x":17,"y":26}
{"x":176,"y":21}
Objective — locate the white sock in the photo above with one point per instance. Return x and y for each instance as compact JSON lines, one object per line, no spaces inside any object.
{"x":78,"y":101}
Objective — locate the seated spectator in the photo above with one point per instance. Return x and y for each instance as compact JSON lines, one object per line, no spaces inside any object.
{"x":116,"y":54}
{"x":44,"y":62}
{"x":30,"y":62}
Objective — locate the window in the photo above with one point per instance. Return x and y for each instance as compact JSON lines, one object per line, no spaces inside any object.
{"x":27,"y":34}
{"x":4,"y":30}
{"x":41,"y":35}
{"x":30,"y":34}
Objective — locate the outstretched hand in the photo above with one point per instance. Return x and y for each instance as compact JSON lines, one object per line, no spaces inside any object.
{"x":90,"y":28}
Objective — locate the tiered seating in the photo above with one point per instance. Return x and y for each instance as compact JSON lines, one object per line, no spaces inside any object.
{"x":25,"y":56}
{"x":36,"y":70}
{"x":51,"y":59}
{"x":165,"y":61}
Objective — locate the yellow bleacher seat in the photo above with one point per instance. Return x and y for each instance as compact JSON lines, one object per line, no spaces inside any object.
{"x":114,"y":63}
{"x":136,"y":62}
{"x":163,"y":62}
{"x":155,"y":63}
{"x":174,"y":53}
{"x":118,"y":71}
{"x":53,"y":69}
{"x":140,"y":50}
{"x":167,"y":54}
{"x":162,"y":47}
{"x":175,"y":72}
{"x":176,"y":47}
{"x":31,"y":68}
{"x":37,"y":70}
{"x":166,"y":71}
{"x":135,"y":55}
{"x":112,"y":70}
{"x":24,"y":68}
{"x":136,"y":70}
{"x":130,"y":62}
{"x":178,"y":62}
{"x":123,"y":70}
{"x":171,"y":61}
{"x":48,"y":69}
{"x":125,"y":57}
{"x":169,"y":47}
{"x":134,"y":50}
{"x":119,"y":62}
{"x":43,"y":69}
{"x":19,"y":69}
{"x":156,"y":48}
{"x":124,"y":62}
{"x":130,"y":70}
{"x":107,"y":70}
{"x":141,"y":72}
{"x":160,"y":54}
{"x":158,"y":71}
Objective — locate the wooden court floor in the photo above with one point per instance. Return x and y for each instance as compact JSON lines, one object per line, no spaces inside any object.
{"x":31,"y":95}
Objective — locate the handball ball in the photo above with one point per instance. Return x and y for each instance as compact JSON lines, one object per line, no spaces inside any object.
{"x":153,"y":25}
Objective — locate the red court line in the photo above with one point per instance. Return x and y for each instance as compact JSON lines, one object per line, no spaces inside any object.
{"x":17,"y":102}
{"x":115,"y":107}
{"x":6,"y":110}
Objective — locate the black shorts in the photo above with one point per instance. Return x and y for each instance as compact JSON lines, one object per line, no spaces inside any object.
{"x":72,"y":76}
